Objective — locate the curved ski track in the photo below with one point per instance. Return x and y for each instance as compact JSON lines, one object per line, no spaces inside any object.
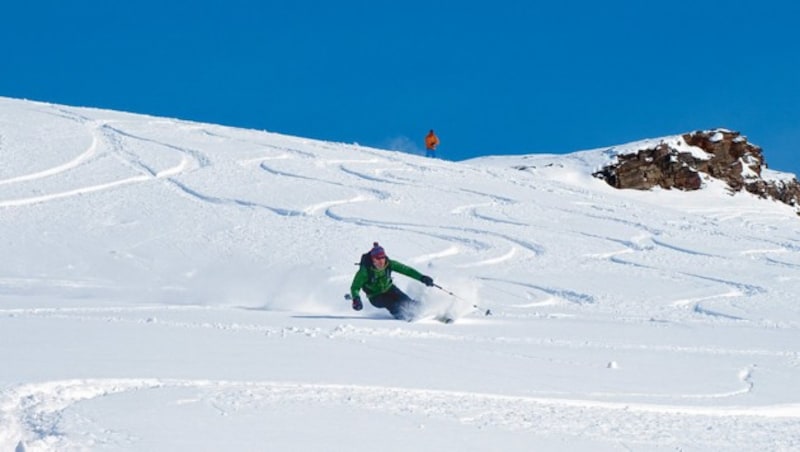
{"x":31,"y":413}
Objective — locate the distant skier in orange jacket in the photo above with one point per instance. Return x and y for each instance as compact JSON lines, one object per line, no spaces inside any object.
{"x":431,"y":141}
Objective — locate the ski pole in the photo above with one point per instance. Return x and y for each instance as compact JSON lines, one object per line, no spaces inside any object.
{"x":447,"y":291}
{"x":487,"y":312}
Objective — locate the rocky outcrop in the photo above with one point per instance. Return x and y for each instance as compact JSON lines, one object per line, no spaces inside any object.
{"x":683,"y":162}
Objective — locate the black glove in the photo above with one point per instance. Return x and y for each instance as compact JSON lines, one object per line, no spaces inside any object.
{"x":427,"y":280}
{"x":357,"y":305}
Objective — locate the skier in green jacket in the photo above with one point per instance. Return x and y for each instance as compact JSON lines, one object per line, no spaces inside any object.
{"x":374,"y":277}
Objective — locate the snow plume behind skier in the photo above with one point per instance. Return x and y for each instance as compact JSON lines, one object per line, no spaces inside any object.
{"x":441,"y":304}
{"x":374,"y":277}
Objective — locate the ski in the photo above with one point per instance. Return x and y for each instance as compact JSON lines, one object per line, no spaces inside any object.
{"x":444,"y":319}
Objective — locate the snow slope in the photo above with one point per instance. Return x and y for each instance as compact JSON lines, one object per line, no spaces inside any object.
{"x":170,"y":285}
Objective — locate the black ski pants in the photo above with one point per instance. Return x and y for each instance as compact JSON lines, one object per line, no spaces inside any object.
{"x":400,"y":305}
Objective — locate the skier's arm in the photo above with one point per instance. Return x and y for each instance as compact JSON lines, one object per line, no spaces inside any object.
{"x":359,"y":279}
{"x":406,"y":270}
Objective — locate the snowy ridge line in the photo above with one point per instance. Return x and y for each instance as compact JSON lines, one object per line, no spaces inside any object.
{"x":32,"y":412}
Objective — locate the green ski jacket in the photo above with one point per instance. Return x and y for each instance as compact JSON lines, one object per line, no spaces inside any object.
{"x":375,"y":282}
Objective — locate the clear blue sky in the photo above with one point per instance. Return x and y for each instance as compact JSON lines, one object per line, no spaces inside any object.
{"x":500,"y":77}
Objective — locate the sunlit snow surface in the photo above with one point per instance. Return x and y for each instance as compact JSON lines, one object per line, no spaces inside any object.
{"x":169,"y":285}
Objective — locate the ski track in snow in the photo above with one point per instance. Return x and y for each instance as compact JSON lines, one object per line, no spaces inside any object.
{"x":235,"y":202}
{"x":149,"y":315}
{"x":105,"y":136}
{"x":77,"y":161}
{"x":561,"y":294}
{"x":32,"y":413}
{"x":102,"y":132}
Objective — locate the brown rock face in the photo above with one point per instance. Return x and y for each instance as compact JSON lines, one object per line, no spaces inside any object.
{"x":729,"y":157}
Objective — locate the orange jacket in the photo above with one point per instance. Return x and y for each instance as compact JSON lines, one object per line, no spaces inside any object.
{"x":431,"y":140}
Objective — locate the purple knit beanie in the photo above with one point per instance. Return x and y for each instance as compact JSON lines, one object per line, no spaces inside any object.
{"x":377,"y":251}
